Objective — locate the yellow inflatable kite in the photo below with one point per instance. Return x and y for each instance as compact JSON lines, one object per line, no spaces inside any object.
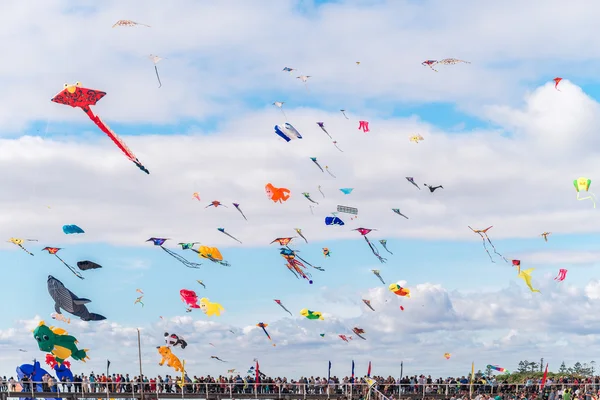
{"x":209,"y":308}
{"x":583,"y":184}
{"x":213,"y":254}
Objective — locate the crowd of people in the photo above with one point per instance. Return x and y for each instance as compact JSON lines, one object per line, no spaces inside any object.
{"x":391,"y":388}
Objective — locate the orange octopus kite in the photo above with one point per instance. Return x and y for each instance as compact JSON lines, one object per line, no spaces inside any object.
{"x":277,"y":194}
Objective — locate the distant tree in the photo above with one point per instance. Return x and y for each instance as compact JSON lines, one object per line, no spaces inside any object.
{"x":523,"y":366}
{"x":563,"y":368}
{"x":577,"y":368}
{"x":542,"y":364}
{"x":488,"y":371}
{"x":532,"y":366}
{"x":592,"y":366}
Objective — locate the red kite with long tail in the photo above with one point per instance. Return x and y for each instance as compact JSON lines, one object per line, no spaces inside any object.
{"x":77,"y":96}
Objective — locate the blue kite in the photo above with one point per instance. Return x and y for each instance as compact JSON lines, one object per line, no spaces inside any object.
{"x":70,"y":229}
{"x":334,"y":221}
{"x":287,"y":132}
{"x":346,"y":190}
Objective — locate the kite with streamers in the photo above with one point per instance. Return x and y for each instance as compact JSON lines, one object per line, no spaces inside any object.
{"x":279,"y":104}
{"x":282,"y":306}
{"x":263,"y":326}
{"x":556,"y":82}
{"x":364,"y":232}
{"x":364,"y":125}
{"x":445,"y":61}
{"x":77,"y":96}
{"x":307,"y":196}
{"x":483,"y":234}
{"x":299,"y":232}
{"x":328,"y":171}
{"x":287,"y":132}
{"x":305,"y":312}
{"x":156,"y":60}
{"x":344,"y":113}
{"x":128,"y":23}
{"x":213,"y":254}
{"x":196,"y":196}
{"x":294,"y":265}
{"x":71,"y":229}
{"x":336,"y":146}
{"x":545,"y":235}
{"x":377,"y":272}
{"x":217,"y":358}
{"x":583,"y":184}
{"x":53,"y":251}
{"x":139,"y":299}
{"x":322,"y":126}
{"x":359,"y":332}
{"x":222,"y":230}
{"x":160,"y":241}
{"x":201,"y":283}
{"x":397,"y":211}
{"x":277,"y":194}
{"x":368,"y":304}
{"x":383,"y":243}
{"x":416,"y":138}
{"x":562,"y":274}
{"x":322,"y":194}
{"x":398,"y":290}
{"x":19,"y":242}
{"x":314,"y":159}
{"x":237,"y":207}
{"x":412,"y":180}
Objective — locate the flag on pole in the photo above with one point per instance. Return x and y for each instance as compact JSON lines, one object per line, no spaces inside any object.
{"x":329,"y":372}
{"x":107,"y":366}
{"x":544,"y":378}
{"x":257,"y":378}
{"x":352,"y":380}
{"x":369,"y":370}
{"x":472,"y":375}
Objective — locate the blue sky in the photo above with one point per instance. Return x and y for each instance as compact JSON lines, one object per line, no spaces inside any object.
{"x":504,"y":143}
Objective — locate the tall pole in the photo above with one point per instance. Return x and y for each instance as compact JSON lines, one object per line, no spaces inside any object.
{"x":140,"y":361}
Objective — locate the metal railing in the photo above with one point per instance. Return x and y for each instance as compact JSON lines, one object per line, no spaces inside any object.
{"x":276,"y":390}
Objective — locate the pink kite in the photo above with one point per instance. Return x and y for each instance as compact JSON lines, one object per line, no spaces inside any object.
{"x":364,"y":125}
{"x":556,"y":82}
{"x":190,"y":298}
{"x":562,"y":274}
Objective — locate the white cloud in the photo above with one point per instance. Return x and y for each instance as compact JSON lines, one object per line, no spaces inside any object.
{"x":502,"y":326}
{"x":562,"y":257}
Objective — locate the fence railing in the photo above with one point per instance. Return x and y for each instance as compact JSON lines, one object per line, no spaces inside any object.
{"x":273,"y":390}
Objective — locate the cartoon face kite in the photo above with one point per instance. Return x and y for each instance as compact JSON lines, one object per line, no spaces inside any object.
{"x":58,"y":342}
{"x":583,"y":184}
{"x":277,"y":194}
{"x":447,"y":356}
{"x":399,"y":290}
{"x":209,"y":308}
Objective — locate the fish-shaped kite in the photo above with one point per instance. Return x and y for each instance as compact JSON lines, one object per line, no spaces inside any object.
{"x":60,"y":317}
{"x":222,"y":230}
{"x":66,"y":300}
{"x":190,"y":298}
{"x":77,"y":96}
{"x":86,"y":265}
{"x":282,"y":306}
{"x":19,"y":242}
{"x":237,"y":206}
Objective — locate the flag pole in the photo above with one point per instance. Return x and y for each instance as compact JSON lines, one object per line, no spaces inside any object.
{"x":140,"y":362}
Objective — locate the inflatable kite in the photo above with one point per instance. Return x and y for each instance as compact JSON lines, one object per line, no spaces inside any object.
{"x":71,"y":229}
{"x":447,"y":356}
{"x":334,"y":221}
{"x":77,"y":96}
{"x":170,"y":358}
{"x":65,"y":299}
{"x":85,"y":265}
{"x":287,"y":132}
{"x":583,"y":184}
{"x":58,"y":342}
{"x":364,"y":125}
{"x":311,"y":314}
{"x":173,"y":340}
{"x":497,"y":368}
{"x":62,"y":370}
{"x":359,"y":332}
{"x":35,"y":373}
{"x":399,"y":290}
{"x":60,"y":317}
{"x":209,"y":308}
{"x":526,"y":276}
{"x":277,"y":194}
{"x":562,"y":274}
{"x":213,"y":254}
{"x":190,"y":298}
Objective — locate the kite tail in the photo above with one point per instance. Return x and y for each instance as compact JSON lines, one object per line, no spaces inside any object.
{"x":73,"y":270}
{"x":25,"y":250}
{"x":232,"y":237}
{"x":386,"y":249}
{"x":321,"y":168}
{"x":182,"y":260}
{"x":493,"y":247}
{"x":287,"y":311}
{"x":336,"y":146}
{"x":381,"y":279}
{"x":323,"y":194}
{"x":374,"y":250}
{"x":113,"y":136}
{"x":242,"y":214}
{"x":330,"y":172}
{"x":157,"y":76}
{"x":485,"y":248}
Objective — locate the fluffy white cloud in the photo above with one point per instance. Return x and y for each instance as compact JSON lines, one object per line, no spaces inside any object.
{"x":506,"y":325}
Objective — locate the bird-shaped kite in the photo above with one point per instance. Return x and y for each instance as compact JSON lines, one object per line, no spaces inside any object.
{"x":156,"y":60}
{"x":139,"y":299}
{"x":160,"y":241}
{"x":345,"y":338}
{"x":222,"y":230}
{"x":304,"y":79}
{"x":433,"y":188}
{"x":19,"y":242}
{"x":368,"y":304}
{"x":364,"y":232}
{"x":128,"y":23}
{"x":53,"y":251}
{"x":264,"y":328}
{"x":383,"y":243}
{"x":526,"y":276}
{"x":299,"y":232}
{"x":282,"y":306}
{"x":556,"y":82}
{"x":376,"y":273}
{"x":397,"y":211}
{"x":545,"y":235}
{"x":279,"y":104}
{"x":77,"y":96}
{"x":237,"y":206}
{"x":215,"y":204}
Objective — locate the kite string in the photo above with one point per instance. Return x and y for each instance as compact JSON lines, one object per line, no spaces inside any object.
{"x":77,"y":274}
{"x":182,"y":260}
{"x":374,"y":250}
